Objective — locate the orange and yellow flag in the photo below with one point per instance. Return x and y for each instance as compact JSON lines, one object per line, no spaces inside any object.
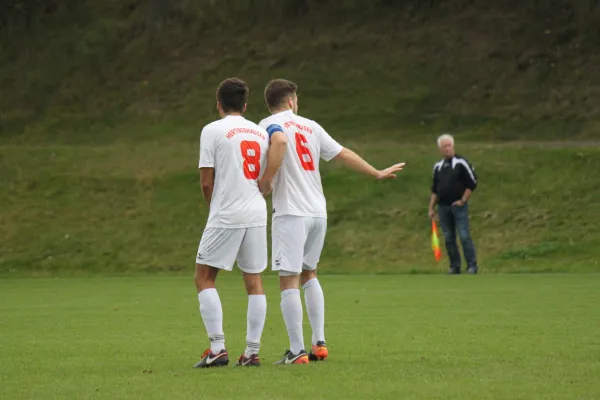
{"x":435,"y":243}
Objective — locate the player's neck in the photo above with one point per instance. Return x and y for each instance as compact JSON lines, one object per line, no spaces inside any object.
{"x":231,"y":114}
{"x":279,"y":110}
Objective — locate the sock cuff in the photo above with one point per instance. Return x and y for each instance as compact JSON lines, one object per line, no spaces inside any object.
{"x":290,"y":292}
{"x":257,"y":300}
{"x":257,"y":303}
{"x":257,"y":296}
{"x":207,"y":293}
{"x":310,"y":283}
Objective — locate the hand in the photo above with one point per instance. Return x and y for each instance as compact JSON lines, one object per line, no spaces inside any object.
{"x":265,"y":186}
{"x":458,"y":203}
{"x":431,"y":213}
{"x":390,"y":173}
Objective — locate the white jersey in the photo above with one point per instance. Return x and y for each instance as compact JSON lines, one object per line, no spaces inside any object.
{"x":237,"y":149}
{"x":297,"y":188}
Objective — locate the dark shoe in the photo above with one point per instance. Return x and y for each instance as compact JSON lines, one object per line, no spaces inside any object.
{"x":290,"y":358}
{"x":252,"y":361}
{"x":472,"y":270}
{"x":213,"y":360}
{"x":454,"y":271}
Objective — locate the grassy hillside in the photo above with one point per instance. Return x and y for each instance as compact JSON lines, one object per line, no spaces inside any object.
{"x":103,"y":101}
{"x":109,"y":209}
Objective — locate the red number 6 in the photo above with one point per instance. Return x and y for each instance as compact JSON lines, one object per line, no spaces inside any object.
{"x":303,"y":151}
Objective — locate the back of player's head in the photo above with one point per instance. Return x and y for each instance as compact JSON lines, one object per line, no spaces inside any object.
{"x":278,"y":91}
{"x":232,"y":95}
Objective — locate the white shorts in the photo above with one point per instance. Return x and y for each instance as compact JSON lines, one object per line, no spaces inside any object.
{"x":221,"y":247}
{"x":297,"y":243}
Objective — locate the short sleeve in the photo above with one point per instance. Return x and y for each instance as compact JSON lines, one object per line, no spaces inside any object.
{"x":207,"y":149}
{"x":329,"y":147}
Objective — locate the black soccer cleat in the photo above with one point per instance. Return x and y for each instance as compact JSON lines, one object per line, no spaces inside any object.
{"x":472,"y":270}
{"x":291,"y":358}
{"x":252,"y":361}
{"x":210,"y":360}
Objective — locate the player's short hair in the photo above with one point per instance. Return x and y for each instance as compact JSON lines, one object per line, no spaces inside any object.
{"x":277,"y":91}
{"x":444,"y":137}
{"x":232,"y":94}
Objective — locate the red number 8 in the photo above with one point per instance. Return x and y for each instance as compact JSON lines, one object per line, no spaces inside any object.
{"x":251,"y":155}
{"x":303,"y":151}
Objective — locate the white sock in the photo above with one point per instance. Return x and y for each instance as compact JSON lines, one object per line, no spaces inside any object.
{"x":315,"y":308}
{"x":291,"y":307}
{"x":212,"y":315}
{"x":257,"y":313}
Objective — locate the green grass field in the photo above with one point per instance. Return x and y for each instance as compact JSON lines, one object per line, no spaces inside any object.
{"x":411,"y":337}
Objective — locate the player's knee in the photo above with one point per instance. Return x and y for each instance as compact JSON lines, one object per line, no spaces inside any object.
{"x":307,"y":275}
{"x":289,"y":280}
{"x":203,"y":285}
{"x":205,"y":277}
{"x":253,"y":284}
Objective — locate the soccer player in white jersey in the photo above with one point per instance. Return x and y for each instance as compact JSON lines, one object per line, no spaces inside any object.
{"x":232,"y":152}
{"x":299,"y":211}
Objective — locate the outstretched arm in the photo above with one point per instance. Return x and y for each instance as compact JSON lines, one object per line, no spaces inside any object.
{"x":357,"y":163}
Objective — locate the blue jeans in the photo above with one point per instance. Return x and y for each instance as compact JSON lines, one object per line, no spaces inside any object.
{"x":453,"y":218}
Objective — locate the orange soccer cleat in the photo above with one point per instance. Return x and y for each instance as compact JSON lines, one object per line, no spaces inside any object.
{"x":318,"y":352}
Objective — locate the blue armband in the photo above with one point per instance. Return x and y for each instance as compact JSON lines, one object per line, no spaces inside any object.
{"x":271,"y":129}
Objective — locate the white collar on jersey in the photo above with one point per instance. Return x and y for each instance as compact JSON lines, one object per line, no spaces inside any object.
{"x":284,"y":112}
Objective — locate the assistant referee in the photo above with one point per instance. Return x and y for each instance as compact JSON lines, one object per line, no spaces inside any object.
{"x":454,"y":181}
